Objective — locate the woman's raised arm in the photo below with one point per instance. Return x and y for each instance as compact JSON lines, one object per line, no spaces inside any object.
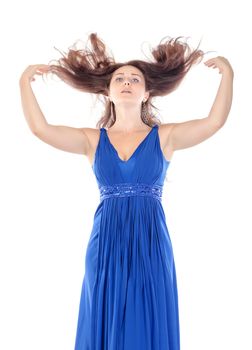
{"x":74,"y":140}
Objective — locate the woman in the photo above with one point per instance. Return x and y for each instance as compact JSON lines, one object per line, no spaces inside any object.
{"x":129,"y":297}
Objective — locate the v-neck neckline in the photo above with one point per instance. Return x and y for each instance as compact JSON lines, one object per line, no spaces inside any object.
{"x":134,"y":152}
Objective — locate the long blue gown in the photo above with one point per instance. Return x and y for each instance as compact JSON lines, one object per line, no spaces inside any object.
{"x":129,"y":298}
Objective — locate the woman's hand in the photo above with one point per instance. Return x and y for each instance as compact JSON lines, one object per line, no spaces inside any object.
{"x":220,"y":62}
{"x":31,"y":70}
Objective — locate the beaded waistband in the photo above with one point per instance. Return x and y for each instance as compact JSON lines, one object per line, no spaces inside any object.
{"x":130,"y":189}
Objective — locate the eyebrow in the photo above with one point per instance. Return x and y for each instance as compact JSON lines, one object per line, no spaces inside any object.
{"x":131,"y":74}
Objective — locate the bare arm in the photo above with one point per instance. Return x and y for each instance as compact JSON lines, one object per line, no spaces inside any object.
{"x":66,"y":138}
{"x":192,"y":132}
{"x":31,"y":109}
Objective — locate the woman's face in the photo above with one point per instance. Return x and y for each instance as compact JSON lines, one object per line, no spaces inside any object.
{"x":127,"y":78}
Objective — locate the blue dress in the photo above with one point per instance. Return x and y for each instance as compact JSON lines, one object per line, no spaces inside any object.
{"x":129,"y":298}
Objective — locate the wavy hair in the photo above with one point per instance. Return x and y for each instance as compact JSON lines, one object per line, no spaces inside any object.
{"x":90,"y":70}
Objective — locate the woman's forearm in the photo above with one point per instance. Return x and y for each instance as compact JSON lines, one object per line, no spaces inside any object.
{"x":31,"y":109}
{"x":223,"y":100}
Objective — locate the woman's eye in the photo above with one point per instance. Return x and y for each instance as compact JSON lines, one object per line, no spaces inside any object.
{"x":132,"y":79}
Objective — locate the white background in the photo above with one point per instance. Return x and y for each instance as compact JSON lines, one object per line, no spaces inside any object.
{"x":48,"y":196}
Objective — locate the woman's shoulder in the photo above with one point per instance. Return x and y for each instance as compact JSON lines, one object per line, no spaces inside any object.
{"x":92,"y":134}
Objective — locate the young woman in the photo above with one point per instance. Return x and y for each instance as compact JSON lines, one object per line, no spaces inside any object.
{"x":129,"y":297}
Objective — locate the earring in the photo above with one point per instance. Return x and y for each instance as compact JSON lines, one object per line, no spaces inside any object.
{"x":144,"y":112}
{"x":112,"y":111}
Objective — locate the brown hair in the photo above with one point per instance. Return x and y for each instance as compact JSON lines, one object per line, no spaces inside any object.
{"x":90,"y":70}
